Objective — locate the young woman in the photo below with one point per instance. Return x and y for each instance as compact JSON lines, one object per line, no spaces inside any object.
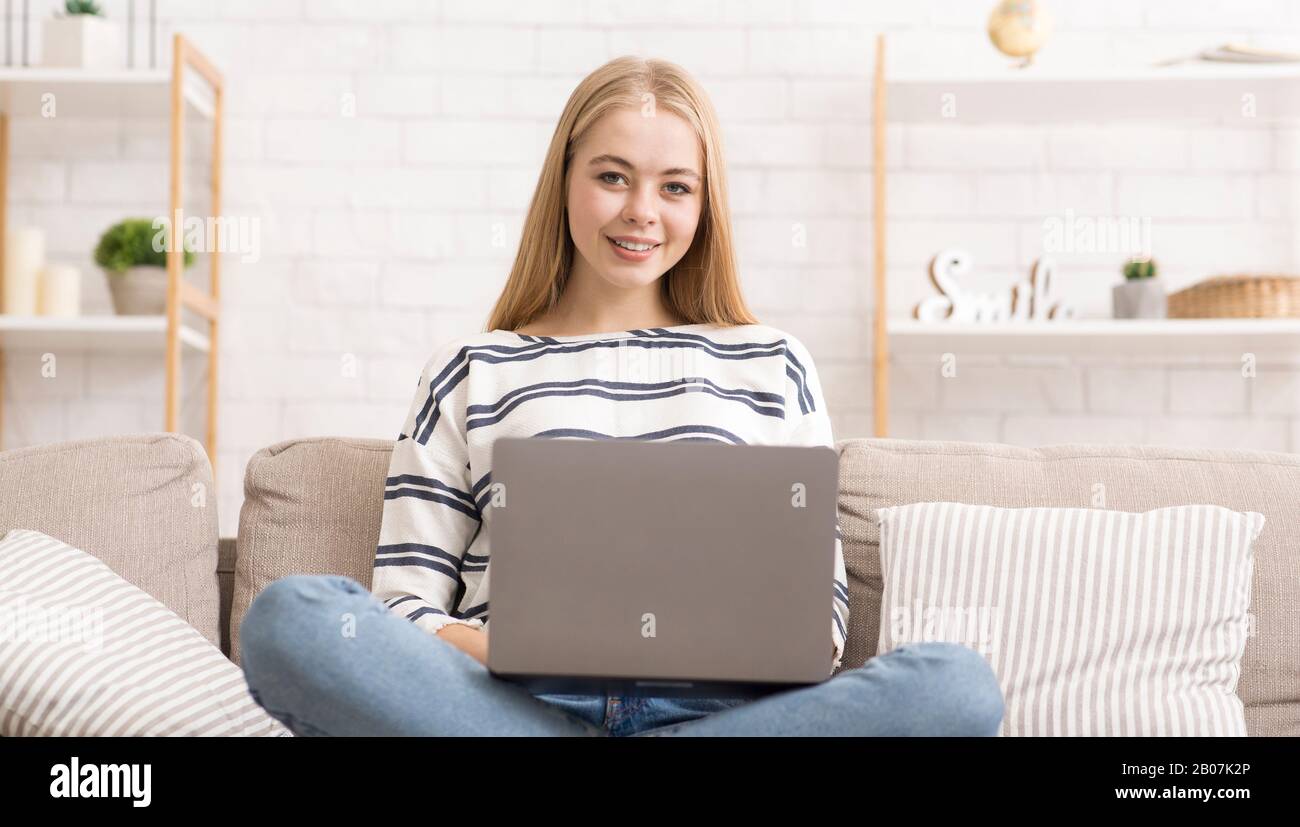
{"x":622,"y":318}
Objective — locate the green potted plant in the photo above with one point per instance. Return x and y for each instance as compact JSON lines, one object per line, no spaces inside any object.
{"x":82,"y":38}
{"x":1141,"y":295}
{"x":136,"y":266}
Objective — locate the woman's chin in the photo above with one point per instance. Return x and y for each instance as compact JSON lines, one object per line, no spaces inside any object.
{"x":628,"y":280}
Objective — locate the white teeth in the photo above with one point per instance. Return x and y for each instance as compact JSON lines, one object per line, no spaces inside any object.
{"x":627,"y":245}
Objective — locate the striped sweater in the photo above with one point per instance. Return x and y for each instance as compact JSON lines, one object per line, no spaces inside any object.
{"x":741,"y":385}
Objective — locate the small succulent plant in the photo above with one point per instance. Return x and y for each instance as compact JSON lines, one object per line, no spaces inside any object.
{"x":131,"y":243}
{"x":76,"y":7}
{"x":1142,"y":267}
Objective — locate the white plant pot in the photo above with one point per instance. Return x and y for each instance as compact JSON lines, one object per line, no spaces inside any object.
{"x":1139,"y":299}
{"x":139,"y":291}
{"x":82,"y":41}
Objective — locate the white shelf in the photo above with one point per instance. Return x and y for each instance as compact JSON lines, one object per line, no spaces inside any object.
{"x":82,"y":93}
{"x":98,"y":333}
{"x":1044,"y":94}
{"x":1132,"y":337}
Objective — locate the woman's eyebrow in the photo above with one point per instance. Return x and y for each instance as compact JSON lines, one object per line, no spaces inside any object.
{"x":622,"y":162}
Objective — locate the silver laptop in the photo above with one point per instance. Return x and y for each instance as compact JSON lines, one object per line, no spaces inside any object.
{"x":678,"y":569}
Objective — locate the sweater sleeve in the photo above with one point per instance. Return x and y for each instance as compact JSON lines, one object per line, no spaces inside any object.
{"x":810,"y":424}
{"x":430,"y":517}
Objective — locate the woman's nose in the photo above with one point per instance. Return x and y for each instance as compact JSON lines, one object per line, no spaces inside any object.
{"x":640,"y":207}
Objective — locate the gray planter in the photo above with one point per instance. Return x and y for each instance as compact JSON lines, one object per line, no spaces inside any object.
{"x":1139,"y":299}
{"x":139,"y":291}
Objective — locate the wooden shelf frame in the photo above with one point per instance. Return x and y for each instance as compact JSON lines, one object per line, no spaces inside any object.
{"x":181,"y":294}
{"x":880,"y":322}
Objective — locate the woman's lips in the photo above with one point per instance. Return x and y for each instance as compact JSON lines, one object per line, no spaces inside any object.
{"x":632,"y":255}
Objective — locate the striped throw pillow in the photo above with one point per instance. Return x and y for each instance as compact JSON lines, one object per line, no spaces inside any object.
{"x":1096,"y":622}
{"x":84,"y":652}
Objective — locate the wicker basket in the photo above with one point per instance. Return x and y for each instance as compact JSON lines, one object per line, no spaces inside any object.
{"x":1238,"y":297}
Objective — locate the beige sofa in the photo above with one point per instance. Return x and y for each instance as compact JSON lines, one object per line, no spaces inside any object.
{"x":145,"y":505}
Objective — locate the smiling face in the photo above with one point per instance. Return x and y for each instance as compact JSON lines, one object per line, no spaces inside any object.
{"x":636,"y":178}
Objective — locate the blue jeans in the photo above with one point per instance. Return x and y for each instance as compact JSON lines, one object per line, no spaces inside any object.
{"x":325,"y":657}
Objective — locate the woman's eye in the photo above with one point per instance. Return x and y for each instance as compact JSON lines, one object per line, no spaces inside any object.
{"x":605,"y":176}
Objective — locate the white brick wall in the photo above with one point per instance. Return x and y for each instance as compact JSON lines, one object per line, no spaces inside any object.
{"x":382,"y":227}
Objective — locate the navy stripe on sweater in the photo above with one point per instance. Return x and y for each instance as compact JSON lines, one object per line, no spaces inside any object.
{"x":841,"y":590}
{"x":690,"y":387}
{"x":428,"y":482}
{"x":641,"y":390}
{"x":420,"y":493}
{"x":419,"y":554}
{"x":727,"y":436}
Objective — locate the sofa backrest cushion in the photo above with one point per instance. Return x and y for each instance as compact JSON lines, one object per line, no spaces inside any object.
{"x":311,"y":506}
{"x":876,"y":473}
{"x":142,"y":503}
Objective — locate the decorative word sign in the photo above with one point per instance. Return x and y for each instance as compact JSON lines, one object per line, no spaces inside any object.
{"x":1023,"y":301}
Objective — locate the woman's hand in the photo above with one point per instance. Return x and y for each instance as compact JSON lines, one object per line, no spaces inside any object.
{"x":471,"y":641}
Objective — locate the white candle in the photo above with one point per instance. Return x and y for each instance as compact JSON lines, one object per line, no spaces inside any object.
{"x":24,"y":257}
{"x":60,"y":291}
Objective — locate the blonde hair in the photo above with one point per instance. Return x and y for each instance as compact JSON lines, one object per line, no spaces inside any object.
{"x":703,"y":287}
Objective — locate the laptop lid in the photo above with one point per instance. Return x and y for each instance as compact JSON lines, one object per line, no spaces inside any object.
{"x":661,"y":568}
